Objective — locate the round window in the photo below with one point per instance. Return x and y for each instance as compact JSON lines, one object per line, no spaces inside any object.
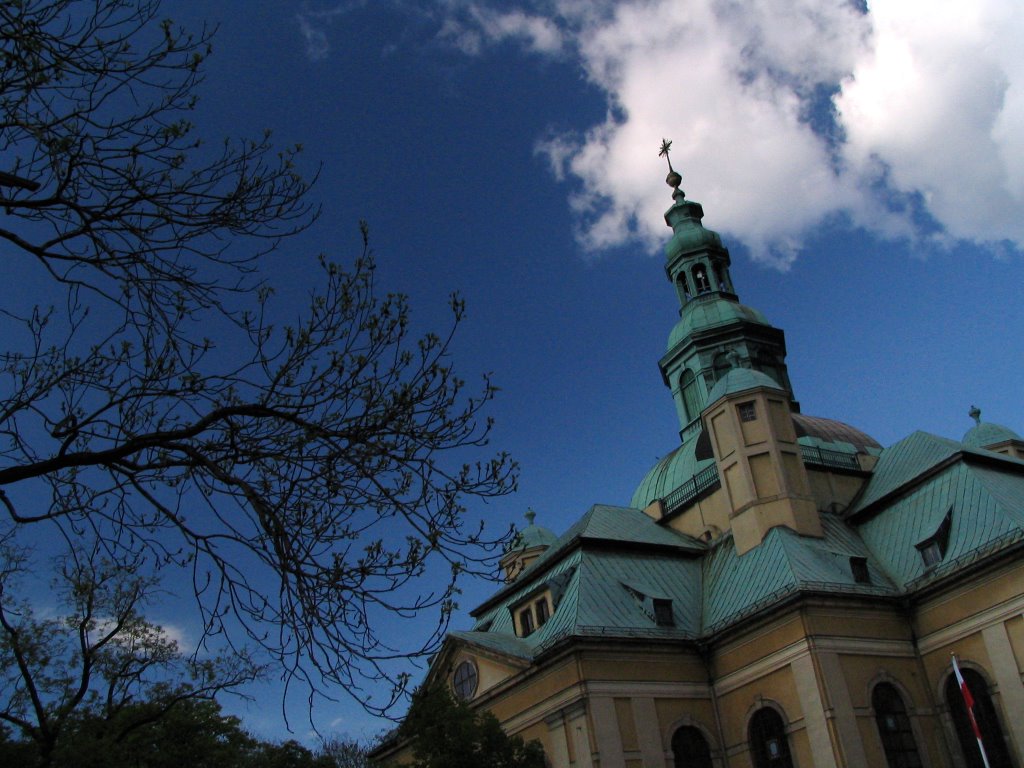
{"x":464,"y":680}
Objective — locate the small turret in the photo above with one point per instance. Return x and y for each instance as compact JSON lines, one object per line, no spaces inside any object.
{"x":992,"y":437}
{"x":526,"y":546}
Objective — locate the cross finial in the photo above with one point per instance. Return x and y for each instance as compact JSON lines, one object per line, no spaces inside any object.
{"x":673,"y":179}
{"x":530,"y":515}
{"x":975,"y":413}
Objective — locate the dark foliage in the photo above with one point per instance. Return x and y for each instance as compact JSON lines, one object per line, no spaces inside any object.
{"x":449,"y":734}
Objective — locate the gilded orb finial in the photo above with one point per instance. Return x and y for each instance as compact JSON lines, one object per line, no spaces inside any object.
{"x":673,"y":179}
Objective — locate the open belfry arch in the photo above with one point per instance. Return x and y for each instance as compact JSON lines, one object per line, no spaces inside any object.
{"x":780,"y":591}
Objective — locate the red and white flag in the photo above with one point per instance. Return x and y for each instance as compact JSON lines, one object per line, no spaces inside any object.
{"x":969,"y":706}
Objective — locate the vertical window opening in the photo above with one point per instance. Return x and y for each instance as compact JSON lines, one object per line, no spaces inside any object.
{"x":526,"y":622}
{"x":663,"y":613}
{"x":768,"y":744}
{"x":690,"y":749}
{"x":700,"y":279}
{"x":542,"y":611}
{"x":984,"y":715}
{"x":691,"y":397}
{"x":894,"y":728}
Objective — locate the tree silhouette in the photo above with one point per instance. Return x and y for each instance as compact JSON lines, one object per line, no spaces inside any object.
{"x":302,"y":474}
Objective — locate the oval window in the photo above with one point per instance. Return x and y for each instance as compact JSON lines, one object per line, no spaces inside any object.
{"x":464,"y":680}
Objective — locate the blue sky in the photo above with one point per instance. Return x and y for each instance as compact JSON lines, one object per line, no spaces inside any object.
{"x":864,"y":166}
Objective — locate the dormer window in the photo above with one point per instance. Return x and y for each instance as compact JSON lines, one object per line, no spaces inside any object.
{"x":933,"y":549}
{"x":526,"y":625}
{"x":533,"y":612}
{"x":543,"y":613}
{"x":859,"y":569}
{"x":931,"y":553}
{"x":663,"y":613}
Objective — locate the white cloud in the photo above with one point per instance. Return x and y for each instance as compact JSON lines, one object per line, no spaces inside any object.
{"x":787,"y":112}
{"x":476,"y":24}
{"x":313,"y":26}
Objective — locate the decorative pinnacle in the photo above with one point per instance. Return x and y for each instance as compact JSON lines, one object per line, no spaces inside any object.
{"x":530,"y":515}
{"x":975,"y":413}
{"x":673,"y":179}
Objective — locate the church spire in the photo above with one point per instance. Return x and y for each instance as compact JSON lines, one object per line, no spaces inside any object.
{"x":715,"y":332}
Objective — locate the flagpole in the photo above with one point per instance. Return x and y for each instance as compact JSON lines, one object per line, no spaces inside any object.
{"x":969,"y":706}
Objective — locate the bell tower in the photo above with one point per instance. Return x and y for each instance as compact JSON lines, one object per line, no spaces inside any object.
{"x":715,"y":333}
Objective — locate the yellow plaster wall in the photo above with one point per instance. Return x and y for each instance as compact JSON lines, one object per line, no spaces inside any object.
{"x":1015,"y":630}
{"x":627,"y":725}
{"x":754,"y":432}
{"x":712,"y":510}
{"x":753,"y":646}
{"x":697,"y":711}
{"x":490,"y":673}
{"x":958,"y":604}
{"x":766,"y":480}
{"x":653,"y":665}
{"x":832,"y":490}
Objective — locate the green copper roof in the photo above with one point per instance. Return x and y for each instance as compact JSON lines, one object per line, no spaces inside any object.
{"x":688,"y":233}
{"x":507,"y":644}
{"x":902,"y":463}
{"x":709,"y":311}
{"x":740,"y":380}
{"x":984,"y":505}
{"x":533,"y":536}
{"x":602,"y":523}
{"x":984,"y":434}
{"x":738,"y":585}
{"x":670,"y":473}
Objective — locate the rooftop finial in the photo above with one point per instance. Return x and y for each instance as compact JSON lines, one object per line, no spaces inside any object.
{"x":673,"y":179}
{"x":975,"y":413}
{"x":530,"y":515}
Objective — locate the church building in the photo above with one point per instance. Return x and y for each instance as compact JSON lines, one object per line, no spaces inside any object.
{"x":781,"y":592}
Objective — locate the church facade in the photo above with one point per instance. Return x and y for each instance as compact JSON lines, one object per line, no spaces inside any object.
{"x":782,"y":591}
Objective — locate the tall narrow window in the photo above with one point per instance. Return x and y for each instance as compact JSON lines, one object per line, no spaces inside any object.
{"x":768,"y":744}
{"x":684,"y":288}
{"x":984,"y":714}
{"x":663,"y":613}
{"x":700,"y":279}
{"x":859,"y":569}
{"x":894,"y":728}
{"x":691,"y":397}
{"x":690,"y":748}
{"x":526,"y":622}
{"x":542,"y":611}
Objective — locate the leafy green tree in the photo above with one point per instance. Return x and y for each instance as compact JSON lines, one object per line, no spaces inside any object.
{"x":302,"y":474}
{"x":450,"y":734}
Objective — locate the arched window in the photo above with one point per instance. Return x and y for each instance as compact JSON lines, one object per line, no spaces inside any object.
{"x":768,"y":744}
{"x":683,"y":286}
{"x":722,"y":364}
{"x":700,"y":279}
{"x":984,"y":715}
{"x":894,"y":727}
{"x":691,"y":396}
{"x":690,"y":749}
